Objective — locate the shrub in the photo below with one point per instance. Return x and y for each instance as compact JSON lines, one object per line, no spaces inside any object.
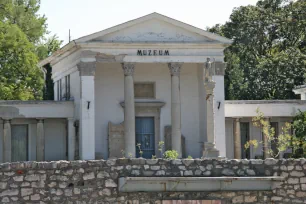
{"x":171,"y":154}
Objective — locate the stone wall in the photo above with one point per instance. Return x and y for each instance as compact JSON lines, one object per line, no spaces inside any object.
{"x":96,"y":181}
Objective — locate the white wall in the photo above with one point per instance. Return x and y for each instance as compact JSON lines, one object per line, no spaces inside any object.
{"x":219,"y":114}
{"x":75,"y":92}
{"x":109,"y":84}
{"x":55,"y":138}
{"x":229,"y":131}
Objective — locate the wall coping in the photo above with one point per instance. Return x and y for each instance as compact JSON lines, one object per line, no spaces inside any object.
{"x":140,"y":161}
{"x":193,"y":184}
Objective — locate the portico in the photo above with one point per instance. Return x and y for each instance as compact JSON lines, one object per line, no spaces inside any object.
{"x":87,"y":72}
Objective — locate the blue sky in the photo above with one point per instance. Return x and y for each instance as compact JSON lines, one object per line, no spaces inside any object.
{"x":84,"y":17}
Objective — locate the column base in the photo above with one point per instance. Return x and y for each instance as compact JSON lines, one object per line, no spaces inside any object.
{"x":210,"y":151}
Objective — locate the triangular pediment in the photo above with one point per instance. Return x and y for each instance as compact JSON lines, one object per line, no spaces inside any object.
{"x":154,"y":28}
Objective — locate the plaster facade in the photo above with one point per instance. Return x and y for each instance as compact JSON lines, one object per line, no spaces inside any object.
{"x":94,"y":79}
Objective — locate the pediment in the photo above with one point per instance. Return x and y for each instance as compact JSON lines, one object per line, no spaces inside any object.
{"x":154,"y":28}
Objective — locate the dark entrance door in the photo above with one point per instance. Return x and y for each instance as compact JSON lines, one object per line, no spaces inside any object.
{"x":145,"y":137}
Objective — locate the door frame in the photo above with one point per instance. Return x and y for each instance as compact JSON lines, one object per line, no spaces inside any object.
{"x":151,"y":117}
{"x":150,"y":108}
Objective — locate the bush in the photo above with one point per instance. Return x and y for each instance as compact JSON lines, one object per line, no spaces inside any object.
{"x":171,"y":154}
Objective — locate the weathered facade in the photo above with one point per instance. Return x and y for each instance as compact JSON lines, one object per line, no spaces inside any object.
{"x":148,"y":80}
{"x":111,"y":181}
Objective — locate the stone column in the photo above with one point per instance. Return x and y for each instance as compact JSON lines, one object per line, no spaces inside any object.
{"x":209,"y":146}
{"x":266,"y":143}
{"x":87,"y":110}
{"x":237,"y":139}
{"x":129,"y":110}
{"x":7,"y":141}
{"x":71,"y":139}
{"x":40,"y":140}
{"x":175,"y":69}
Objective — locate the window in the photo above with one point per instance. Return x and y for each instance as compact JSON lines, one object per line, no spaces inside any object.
{"x":67,"y":88}
{"x":144,"y":90}
{"x":19,"y":143}
{"x":63,"y":88}
{"x":58,"y":90}
{"x":245,"y":137}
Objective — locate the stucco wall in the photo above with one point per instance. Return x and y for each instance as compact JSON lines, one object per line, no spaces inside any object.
{"x":96,"y":181}
{"x":109,"y":87}
{"x":55,"y":138}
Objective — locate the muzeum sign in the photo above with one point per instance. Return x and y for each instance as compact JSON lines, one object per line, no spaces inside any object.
{"x":153,"y":52}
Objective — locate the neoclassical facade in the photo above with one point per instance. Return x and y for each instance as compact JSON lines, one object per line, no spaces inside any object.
{"x":124,"y":90}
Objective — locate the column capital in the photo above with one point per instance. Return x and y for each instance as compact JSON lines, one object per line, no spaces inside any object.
{"x":87,"y":68}
{"x":70,"y":119}
{"x":128,"y":68}
{"x":40,"y":120}
{"x":175,"y":68}
{"x":7,"y":120}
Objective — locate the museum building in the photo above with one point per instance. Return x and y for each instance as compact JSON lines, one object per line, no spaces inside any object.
{"x":126,"y":88}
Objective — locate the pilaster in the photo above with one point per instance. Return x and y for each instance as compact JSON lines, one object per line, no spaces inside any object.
{"x":40,"y":140}
{"x":7,"y":140}
{"x":87,"y":110}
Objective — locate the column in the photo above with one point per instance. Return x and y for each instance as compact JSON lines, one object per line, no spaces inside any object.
{"x":7,"y":139}
{"x":237,"y":139}
{"x":40,"y":140}
{"x":209,"y":146}
{"x":129,"y":110}
{"x":175,"y":69}
{"x":71,"y":139}
{"x":266,"y":144}
{"x":87,"y":110}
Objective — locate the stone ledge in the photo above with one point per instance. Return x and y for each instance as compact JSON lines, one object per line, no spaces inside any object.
{"x":199,"y":184}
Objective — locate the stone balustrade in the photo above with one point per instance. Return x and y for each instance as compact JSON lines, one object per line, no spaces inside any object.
{"x":96,"y":181}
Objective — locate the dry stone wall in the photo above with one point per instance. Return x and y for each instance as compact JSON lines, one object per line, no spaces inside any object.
{"x":96,"y":181}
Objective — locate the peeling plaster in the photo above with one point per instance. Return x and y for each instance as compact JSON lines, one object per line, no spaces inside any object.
{"x":10,"y":112}
{"x":102,"y":57}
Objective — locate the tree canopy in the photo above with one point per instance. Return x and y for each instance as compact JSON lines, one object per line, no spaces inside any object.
{"x":23,"y":41}
{"x":268,"y":56}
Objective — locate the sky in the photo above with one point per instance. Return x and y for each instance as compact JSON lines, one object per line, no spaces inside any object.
{"x":84,"y":17}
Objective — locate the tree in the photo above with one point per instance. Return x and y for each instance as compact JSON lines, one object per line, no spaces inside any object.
{"x":268,"y":53}
{"x":299,"y":127}
{"x":281,"y":142}
{"x":30,"y":45}
{"x":23,"y":13}
{"x":21,"y":79}
{"x":47,"y":46}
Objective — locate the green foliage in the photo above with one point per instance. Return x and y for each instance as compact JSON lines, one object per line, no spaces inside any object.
{"x":161,"y":147}
{"x":47,"y":46}
{"x":299,"y":141}
{"x":24,"y":14}
{"x":22,"y":44}
{"x":20,"y":78}
{"x":171,"y":154}
{"x":139,"y":148}
{"x":189,"y":157}
{"x":268,"y":53}
{"x":283,"y":141}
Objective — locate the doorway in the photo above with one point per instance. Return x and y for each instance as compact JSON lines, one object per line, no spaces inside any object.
{"x":145,"y":137}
